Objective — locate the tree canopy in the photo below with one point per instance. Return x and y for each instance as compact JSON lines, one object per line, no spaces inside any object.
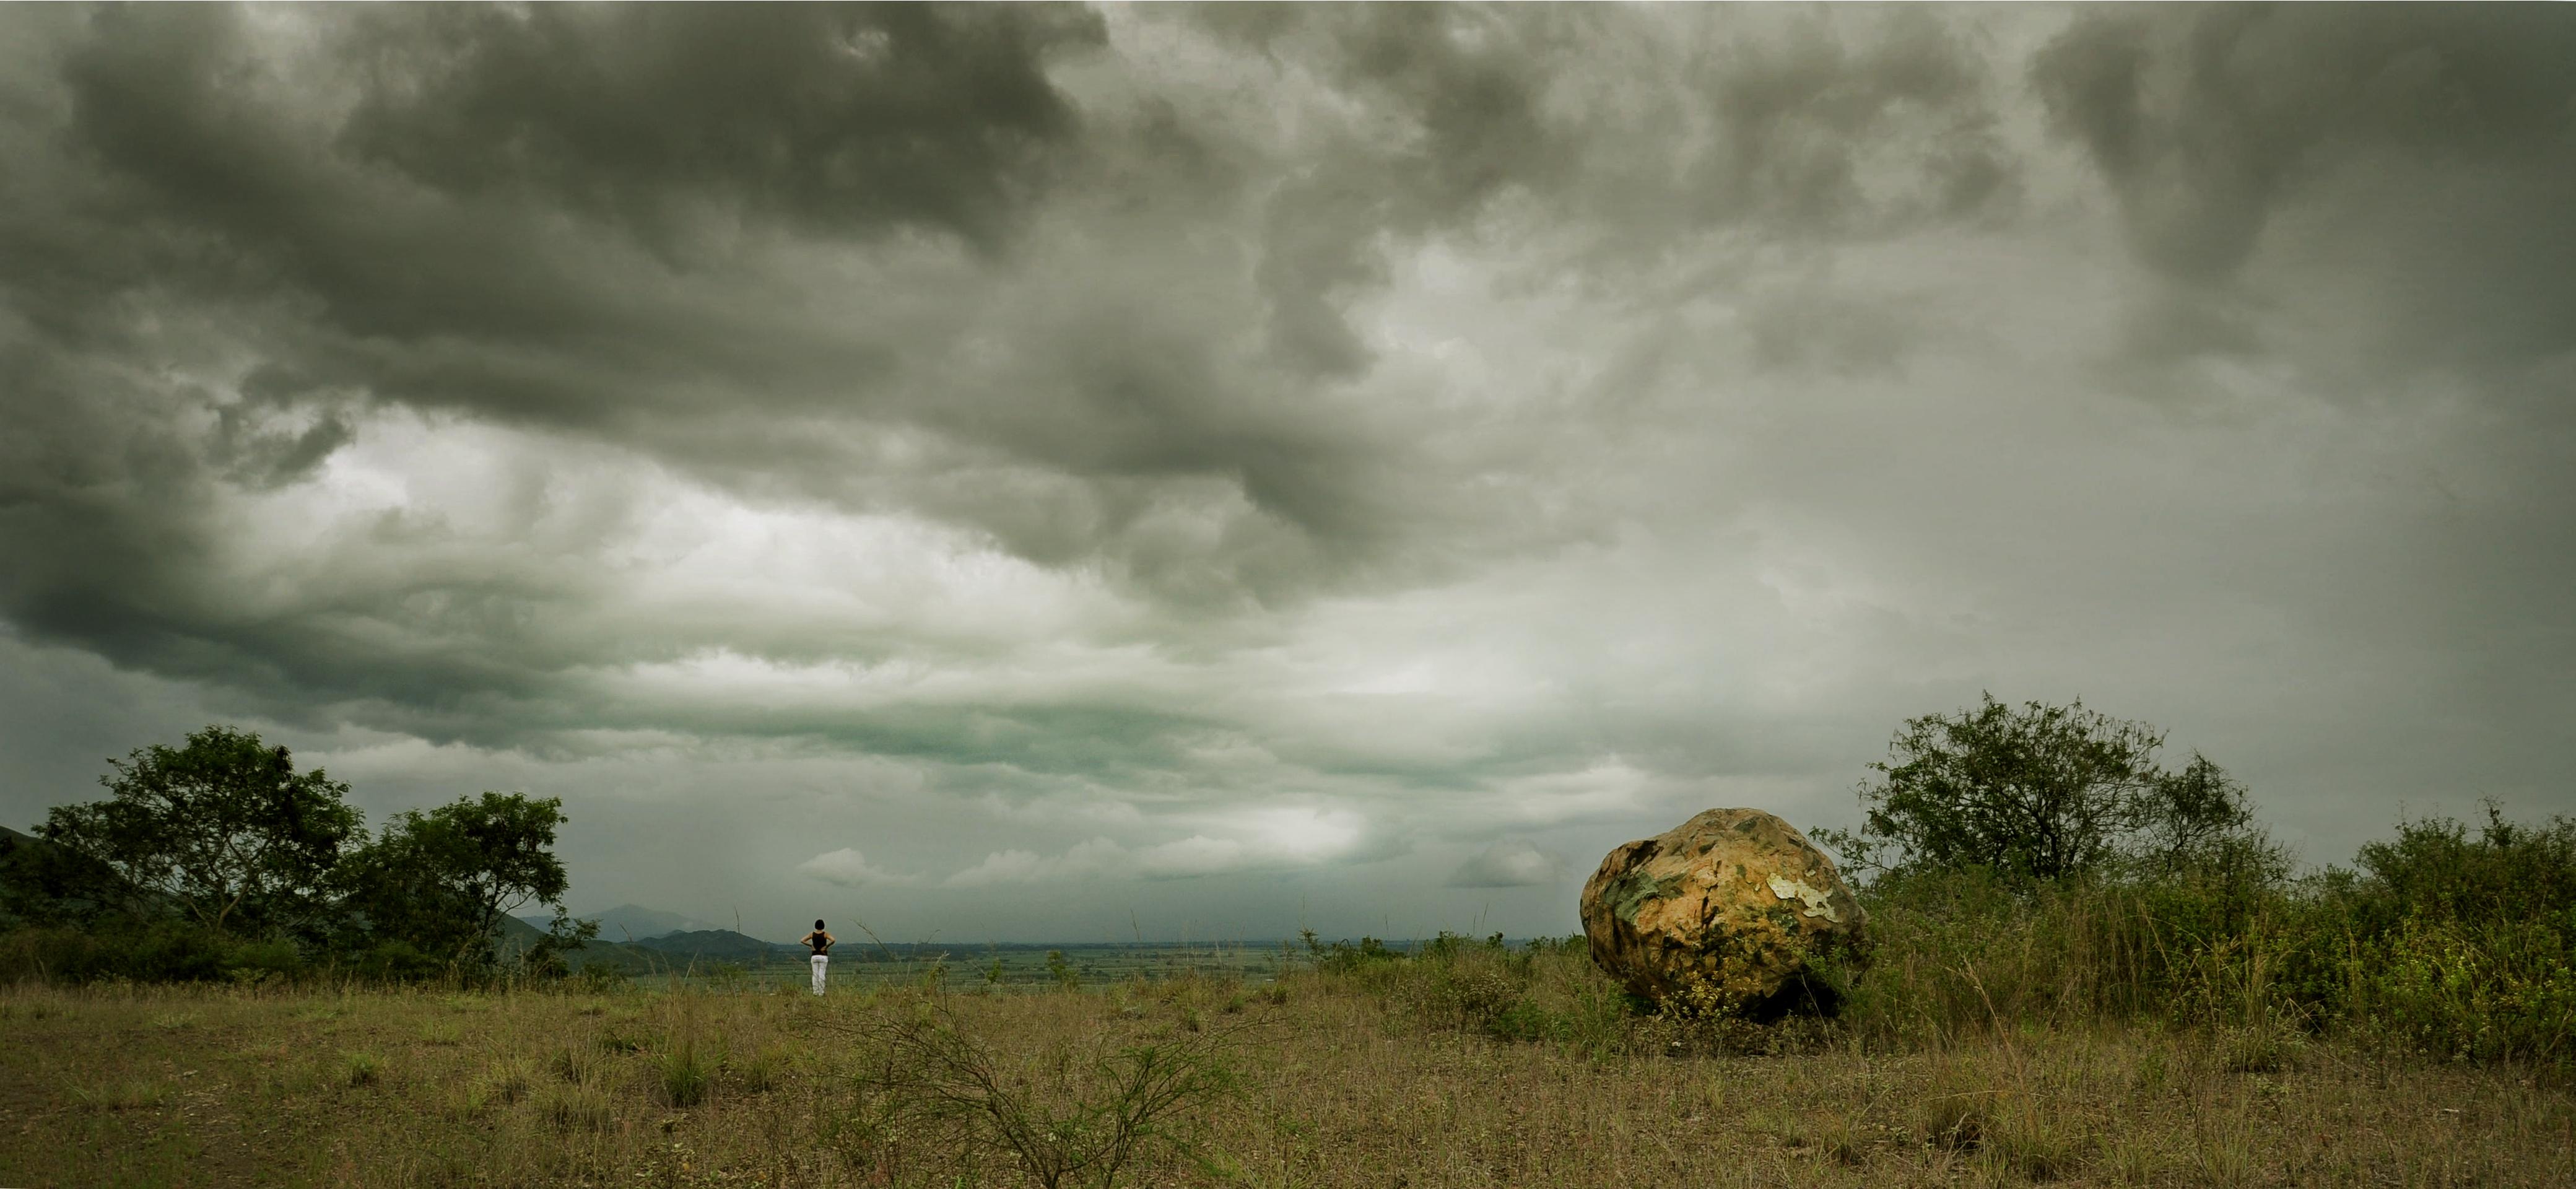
{"x":442,"y":880}
{"x":2040,"y":792}
{"x":220,"y":845}
{"x":224,"y":828}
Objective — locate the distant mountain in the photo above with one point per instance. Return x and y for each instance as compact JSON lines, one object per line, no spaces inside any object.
{"x":719,"y":945}
{"x":514,"y":935}
{"x":49,"y":871}
{"x":633,"y":922}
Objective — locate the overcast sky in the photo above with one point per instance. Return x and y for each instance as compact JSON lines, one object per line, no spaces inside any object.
{"x":1069,"y":474}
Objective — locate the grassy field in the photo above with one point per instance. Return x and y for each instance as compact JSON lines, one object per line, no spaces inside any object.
{"x":1365,"y":1076}
{"x":970,"y":966}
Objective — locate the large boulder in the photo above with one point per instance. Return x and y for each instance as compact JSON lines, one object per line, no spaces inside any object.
{"x":1729,"y":909}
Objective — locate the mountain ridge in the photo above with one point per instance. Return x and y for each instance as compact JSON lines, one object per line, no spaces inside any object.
{"x":633,"y":923}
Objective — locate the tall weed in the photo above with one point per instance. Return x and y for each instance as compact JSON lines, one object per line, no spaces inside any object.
{"x":2453,"y":946}
{"x":1079,"y":1112}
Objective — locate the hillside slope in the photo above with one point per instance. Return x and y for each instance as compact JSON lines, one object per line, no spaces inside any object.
{"x":721,"y":945}
{"x":634,"y":922}
{"x":516,"y":935}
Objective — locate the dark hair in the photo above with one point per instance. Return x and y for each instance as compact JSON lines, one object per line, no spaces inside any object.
{"x":818,"y":924}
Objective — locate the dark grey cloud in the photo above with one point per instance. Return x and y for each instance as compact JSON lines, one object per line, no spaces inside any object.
{"x":1054,"y":444}
{"x":2371,"y":208}
{"x":843,"y":119}
{"x":586,"y":222}
{"x":1644,"y":137}
{"x":2424,"y":155}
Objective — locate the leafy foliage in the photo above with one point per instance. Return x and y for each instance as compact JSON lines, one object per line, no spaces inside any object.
{"x":223,"y":828}
{"x":2040,"y":792}
{"x":1343,"y":957}
{"x":2433,"y":870}
{"x":442,"y":881}
{"x":45,"y":884}
{"x":217,"y":860}
{"x":2464,"y":947}
{"x":2441,"y":943}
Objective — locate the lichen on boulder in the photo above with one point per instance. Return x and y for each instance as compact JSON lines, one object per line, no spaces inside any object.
{"x":1733,"y":909}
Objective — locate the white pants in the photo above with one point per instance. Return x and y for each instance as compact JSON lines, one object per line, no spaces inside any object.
{"x":819,"y":962}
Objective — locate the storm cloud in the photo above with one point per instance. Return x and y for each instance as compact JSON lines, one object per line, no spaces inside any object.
{"x":1238,"y":467}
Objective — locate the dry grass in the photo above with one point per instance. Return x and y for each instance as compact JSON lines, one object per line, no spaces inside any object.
{"x":1334,"y":1084}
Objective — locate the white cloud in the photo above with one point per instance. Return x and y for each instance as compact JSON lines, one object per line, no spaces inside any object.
{"x":1000,"y":867}
{"x":1609,"y":788}
{"x":1197,"y":854}
{"x":1262,"y":839}
{"x":1095,"y":857}
{"x":1515,"y":863}
{"x":850,"y":869}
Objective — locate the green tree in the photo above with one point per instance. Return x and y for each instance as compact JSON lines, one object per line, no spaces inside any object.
{"x":2041,"y":792}
{"x":440,"y":882}
{"x":223,"y":829}
{"x":2202,"y":818}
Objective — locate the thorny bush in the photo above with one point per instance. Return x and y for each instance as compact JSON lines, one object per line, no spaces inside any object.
{"x":1076,"y":1113}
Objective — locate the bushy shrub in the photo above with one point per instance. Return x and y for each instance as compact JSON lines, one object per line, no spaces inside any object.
{"x":1369,"y":965}
{"x":2441,"y":943}
{"x":598,"y":978}
{"x":174,"y":952}
{"x":57,"y":955}
{"x":397,"y":960}
{"x":166,"y":950}
{"x":1342,"y":957}
{"x":2432,"y":870}
{"x":2469,"y":992}
{"x":2463,"y":947}
{"x":1079,"y":1112}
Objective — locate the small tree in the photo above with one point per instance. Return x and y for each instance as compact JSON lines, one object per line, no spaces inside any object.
{"x":2201,"y":817}
{"x":2041,"y":792}
{"x":441,"y":881}
{"x":224,"y":829}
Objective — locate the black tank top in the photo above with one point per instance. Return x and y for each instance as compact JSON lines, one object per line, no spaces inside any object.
{"x":821,"y":944}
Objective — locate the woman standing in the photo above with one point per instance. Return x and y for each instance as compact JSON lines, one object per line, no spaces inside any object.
{"x":821,"y":943}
